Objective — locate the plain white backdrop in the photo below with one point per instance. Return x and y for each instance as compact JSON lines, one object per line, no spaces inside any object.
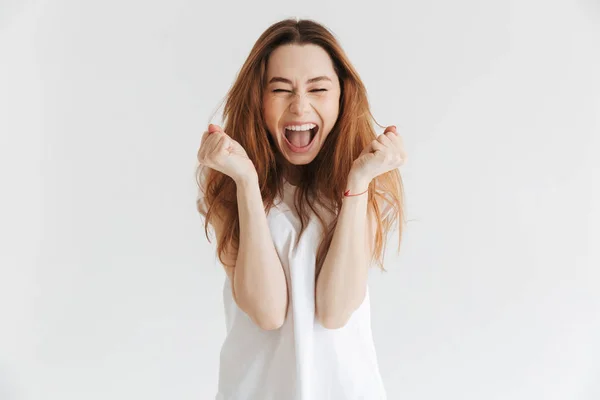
{"x":109,"y":288}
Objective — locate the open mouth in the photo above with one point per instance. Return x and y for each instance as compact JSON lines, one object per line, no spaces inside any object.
{"x":299,"y":140}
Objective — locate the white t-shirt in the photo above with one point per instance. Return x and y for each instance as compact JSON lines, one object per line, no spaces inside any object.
{"x":302,"y":360}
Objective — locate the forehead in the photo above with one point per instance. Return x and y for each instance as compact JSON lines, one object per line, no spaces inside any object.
{"x":299,"y":62}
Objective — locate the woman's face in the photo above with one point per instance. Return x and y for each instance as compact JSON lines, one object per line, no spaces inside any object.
{"x":303,"y":93}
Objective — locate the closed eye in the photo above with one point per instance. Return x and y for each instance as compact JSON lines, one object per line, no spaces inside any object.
{"x":314,"y":90}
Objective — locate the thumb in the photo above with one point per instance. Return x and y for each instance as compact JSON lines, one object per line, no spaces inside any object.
{"x":213,"y":128}
{"x":391,"y":128}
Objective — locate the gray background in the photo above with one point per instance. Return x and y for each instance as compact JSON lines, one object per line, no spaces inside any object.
{"x":109,"y":288}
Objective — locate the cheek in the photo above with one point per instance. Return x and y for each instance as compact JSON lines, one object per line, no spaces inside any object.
{"x":330,"y":111}
{"x":272,"y":111}
{"x":333,"y":109}
{"x":269,"y":115}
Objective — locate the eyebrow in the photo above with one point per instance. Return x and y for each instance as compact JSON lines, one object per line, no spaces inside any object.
{"x":311,"y":80}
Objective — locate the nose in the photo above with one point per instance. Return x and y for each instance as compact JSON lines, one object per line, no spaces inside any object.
{"x":299,"y":104}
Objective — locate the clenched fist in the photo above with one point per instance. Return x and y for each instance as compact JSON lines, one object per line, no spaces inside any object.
{"x":381,"y":155}
{"x":220,"y":152}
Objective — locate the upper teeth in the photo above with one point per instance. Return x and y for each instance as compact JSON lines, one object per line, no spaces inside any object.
{"x":304,"y":127}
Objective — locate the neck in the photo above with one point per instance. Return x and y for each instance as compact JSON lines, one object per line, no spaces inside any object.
{"x":291,"y":173}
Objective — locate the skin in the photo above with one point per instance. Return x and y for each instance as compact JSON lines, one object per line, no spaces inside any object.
{"x":255,"y":272}
{"x":341,"y":285}
{"x":258,"y":281}
{"x":342,"y":282}
{"x":300,"y":101}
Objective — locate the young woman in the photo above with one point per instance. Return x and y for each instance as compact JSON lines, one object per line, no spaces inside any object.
{"x":301,"y":194}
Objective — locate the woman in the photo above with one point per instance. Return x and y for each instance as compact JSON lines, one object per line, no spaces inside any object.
{"x":301,"y":194}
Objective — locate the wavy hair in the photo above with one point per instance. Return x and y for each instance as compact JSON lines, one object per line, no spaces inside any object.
{"x":324,"y":179}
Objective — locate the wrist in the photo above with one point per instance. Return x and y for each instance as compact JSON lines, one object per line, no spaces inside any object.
{"x":357,"y":178}
{"x":357,"y":183}
{"x":246,"y":178}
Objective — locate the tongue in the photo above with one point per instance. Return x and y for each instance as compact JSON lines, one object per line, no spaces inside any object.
{"x":299,"y":138}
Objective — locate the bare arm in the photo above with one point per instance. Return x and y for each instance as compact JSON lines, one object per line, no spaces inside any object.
{"x":255,"y":271}
{"x":342,"y":282}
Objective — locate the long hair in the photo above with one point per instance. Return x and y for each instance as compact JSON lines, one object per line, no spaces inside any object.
{"x":324,"y":179}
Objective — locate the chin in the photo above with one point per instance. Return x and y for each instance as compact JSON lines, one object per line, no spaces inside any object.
{"x":300,"y":162}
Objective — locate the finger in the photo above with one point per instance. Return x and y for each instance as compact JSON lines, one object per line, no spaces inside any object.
{"x":223,"y":144}
{"x":393,"y":135}
{"x":218,"y":142}
{"x":214,"y":128}
{"x":396,"y":139}
{"x":385,"y":139}
{"x":208,"y":145}
{"x":378,"y":146}
{"x":391,"y":128}
{"x":210,"y":139}
{"x":204,"y":136}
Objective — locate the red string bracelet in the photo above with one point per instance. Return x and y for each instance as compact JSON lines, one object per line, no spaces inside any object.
{"x":347,"y":193}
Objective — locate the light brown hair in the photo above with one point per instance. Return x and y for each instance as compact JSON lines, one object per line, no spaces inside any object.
{"x":325,"y":178}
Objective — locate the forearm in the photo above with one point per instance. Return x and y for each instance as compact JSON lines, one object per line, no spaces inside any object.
{"x":342,"y":281}
{"x":259,"y":280}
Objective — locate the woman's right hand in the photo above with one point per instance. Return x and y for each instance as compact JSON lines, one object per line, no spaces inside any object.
{"x":220,"y":152}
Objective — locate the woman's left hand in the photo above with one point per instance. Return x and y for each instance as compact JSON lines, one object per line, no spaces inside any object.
{"x":380,"y":156}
